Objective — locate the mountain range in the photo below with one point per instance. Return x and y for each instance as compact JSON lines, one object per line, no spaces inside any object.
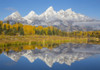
{"x":61,"y":19}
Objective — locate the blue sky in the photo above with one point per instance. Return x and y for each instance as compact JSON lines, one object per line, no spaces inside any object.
{"x":89,"y":8}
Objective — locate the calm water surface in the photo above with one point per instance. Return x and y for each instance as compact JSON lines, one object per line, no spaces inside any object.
{"x":64,"y":57}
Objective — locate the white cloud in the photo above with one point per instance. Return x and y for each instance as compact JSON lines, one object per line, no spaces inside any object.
{"x":10,"y":9}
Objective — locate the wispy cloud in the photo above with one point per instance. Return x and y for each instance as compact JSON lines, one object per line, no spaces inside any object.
{"x":10,"y":9}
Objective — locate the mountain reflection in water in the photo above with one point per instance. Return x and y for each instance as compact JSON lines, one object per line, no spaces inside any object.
{"x":65,"y":53}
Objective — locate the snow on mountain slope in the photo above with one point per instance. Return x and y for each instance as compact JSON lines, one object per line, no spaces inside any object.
{"x":15,"y":17}
{"x":50,"y":18}
{"x":72,"y":16}
{"x":31,"y":17}
{"x":49,"y":15}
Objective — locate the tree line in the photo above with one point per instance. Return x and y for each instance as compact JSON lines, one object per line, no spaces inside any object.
{"x":20,"y":29}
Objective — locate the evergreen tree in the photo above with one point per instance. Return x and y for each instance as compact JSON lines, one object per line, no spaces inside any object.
{"x":1,"y":27}
{"x":8,"y":22}
{"x":18,"y":28}
{"x":49,"y":32}
{"x":4,"y":27}
{"x":0,"y":30}
{"x":21,"y":31}
{"x":15,"y":31}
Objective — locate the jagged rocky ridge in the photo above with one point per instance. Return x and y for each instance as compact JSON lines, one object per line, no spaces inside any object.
{"x":65,"y":53}
{"x":61,"y":19}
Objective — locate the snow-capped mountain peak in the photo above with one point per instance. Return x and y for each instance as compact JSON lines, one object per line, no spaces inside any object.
{"x":69,"y":11}
{"x":50,"y":9}
{"x":49,"y":12}
{"x":31,"y":15}
{"x":15,"y":15}
{"x":49,"y":18}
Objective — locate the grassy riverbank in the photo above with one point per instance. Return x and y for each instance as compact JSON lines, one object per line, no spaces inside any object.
{"x":41,"y":39}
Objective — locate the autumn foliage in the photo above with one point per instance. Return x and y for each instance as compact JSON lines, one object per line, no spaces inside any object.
{"x":20,"y":29}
